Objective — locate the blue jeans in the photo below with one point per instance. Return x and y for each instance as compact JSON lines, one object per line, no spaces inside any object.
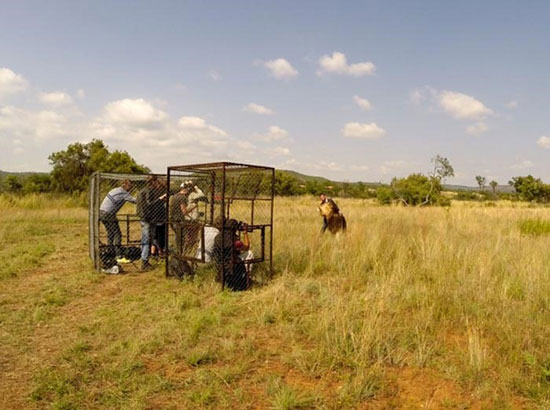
{"x":145,"y":239}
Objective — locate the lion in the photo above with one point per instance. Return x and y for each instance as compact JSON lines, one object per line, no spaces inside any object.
{"x":336,"y":221}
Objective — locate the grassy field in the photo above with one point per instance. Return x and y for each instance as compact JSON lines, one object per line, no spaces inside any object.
{"x":413,"y":308}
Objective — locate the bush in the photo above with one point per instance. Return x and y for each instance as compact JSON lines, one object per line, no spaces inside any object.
{"x":531,"y":189}
{"x":385,"y":195}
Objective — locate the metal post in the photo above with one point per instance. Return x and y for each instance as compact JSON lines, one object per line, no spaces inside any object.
{"x":223,"y":227}
{"x":271,"y":222}
{"x":96,"y":221}
{"x":213,"y":196}
{"x":167,"y":229}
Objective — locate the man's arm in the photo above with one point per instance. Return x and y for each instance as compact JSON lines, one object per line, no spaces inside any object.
{"x":246,"y":240}
{"x":183,"y":207}
{"x":129,"y":198}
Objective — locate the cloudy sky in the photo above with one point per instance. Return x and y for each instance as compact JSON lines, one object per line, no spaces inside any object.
{"x":350,"y":90}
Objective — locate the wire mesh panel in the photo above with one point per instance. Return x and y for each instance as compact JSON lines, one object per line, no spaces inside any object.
{"x":127,"y":220}
{"x":221,"y":214}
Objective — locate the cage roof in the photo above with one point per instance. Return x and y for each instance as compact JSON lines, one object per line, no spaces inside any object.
{"x":213,"y":166}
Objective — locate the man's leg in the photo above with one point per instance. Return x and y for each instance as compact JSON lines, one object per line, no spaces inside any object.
{"x":145,"y":241}
{"x":117,"y":236}
{"x":325,"y":225}
{"x":114,"y":237}
{"x":161,"y":235}
{"x":176,"y":227}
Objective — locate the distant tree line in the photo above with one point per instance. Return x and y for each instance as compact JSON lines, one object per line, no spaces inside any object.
{"x":71,"y":169}
{"x":286,"y":184}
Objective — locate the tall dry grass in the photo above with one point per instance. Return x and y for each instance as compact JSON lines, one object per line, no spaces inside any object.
{"x":458,"y":291}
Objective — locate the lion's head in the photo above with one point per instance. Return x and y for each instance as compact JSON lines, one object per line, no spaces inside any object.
{"x":326,"y":210}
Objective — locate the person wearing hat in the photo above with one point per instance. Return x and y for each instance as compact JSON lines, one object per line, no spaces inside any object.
{"x":178,"y":212}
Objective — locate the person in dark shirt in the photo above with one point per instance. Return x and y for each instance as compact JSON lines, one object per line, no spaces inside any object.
{"x":324,"y":200}
{"x":178,"y":212}
{"x":230,"y":255}
{"x":151,"y":210}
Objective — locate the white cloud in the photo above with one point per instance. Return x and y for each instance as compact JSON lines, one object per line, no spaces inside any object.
{"x":512,"y":104}
{"x":156,"y":139}
{"x":133,"y":112}
{"x":20,"y":124}
{"x":275,"y":133}
{"x":280,"y":151}
{"x":462,"y":106}
{"x":214,"y":75}
{"x":281,"y":69}
{"x":360,"y":167}
{"x":459,"y":105}
{"x":477,"y":129}
{"x":57,"y":98}
{"x":338,"y":64}
{"x":523,"y":165}
{"x":362,"y":103}
{"x":10,"y":82}
{"x":362,"y":130}
{"x":80,"y":93}
{"x":544,"y":142}
{"x":198,"y":124}
{"x":258,"y":109}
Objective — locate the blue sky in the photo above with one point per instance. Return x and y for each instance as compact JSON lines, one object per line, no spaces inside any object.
{"x":356,"y":90}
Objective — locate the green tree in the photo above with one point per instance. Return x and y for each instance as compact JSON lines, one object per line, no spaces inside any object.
{"x":13,"y":184}
{"x":494,"y":185}
{"x":531,"y":189}
{"x":73,"y":167}
{"x":442,"y":169}
{"x":286,"y":184}
{"x":481,"y":182}
{"x":38,"y":183}
{"x":385,"y":195}
{"x":417,"y":189}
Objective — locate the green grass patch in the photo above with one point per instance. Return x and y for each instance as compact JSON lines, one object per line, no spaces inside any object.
{"x":534,"y":227}
{"x":284,"y":397}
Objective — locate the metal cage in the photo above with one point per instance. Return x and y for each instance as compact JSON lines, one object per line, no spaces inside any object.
{"x":131,"y":228}
{"x":221,"y":214}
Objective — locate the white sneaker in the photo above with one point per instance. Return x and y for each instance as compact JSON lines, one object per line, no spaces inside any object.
{"x":114,"y":270}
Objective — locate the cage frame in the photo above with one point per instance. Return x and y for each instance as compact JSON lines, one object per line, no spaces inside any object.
{"x":94,"y":203}
{"x":224,"y":167}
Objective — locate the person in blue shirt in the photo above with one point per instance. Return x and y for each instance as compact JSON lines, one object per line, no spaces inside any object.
{"x":112,"y":203}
